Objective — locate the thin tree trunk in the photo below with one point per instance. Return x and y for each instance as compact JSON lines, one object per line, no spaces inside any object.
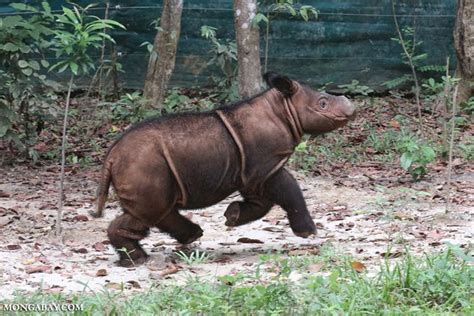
{"x":63,"y":159}
{"x":450,"y":153}
{"x":464,"y":43}
{"x":248,"y":48}
{"x":412,"y":66}
{"x":163,"y":55}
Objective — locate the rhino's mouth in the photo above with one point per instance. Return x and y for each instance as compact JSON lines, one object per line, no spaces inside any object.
{"x":339,"y":120}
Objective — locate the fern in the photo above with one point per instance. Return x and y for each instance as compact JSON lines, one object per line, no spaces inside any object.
{"x":433,"y":68}
{"x":397,"y":81}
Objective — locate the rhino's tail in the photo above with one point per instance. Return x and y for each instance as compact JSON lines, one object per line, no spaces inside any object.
{"x":102,"y":191}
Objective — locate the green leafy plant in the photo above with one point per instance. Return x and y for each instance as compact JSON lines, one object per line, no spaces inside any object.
{"x":467,"y":148}
{"x":195,"y":257}
{"x":303,"y":157}
{"x":415,"y":156}
{"x":356,"y":88}
{"x":468,"y":107}
{"x":224,"y":56}
{"x":409,"y":56}
{"x":127,"y":253}
{"x":175,"y":100}
{"x":76,"y":34}
{"x":128,"y":108}
{"x":433,"y":87}
{"x":432,"y":284}
{"x":23,"y":110}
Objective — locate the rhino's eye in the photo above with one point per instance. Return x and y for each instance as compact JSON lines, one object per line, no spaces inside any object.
{"x":323,"y":103}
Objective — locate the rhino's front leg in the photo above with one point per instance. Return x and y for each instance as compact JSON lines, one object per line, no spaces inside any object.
{"x":252,"y":208}
{"x":282,"y":189}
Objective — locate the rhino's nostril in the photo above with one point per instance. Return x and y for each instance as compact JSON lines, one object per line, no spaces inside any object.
{"x":348,"y":108}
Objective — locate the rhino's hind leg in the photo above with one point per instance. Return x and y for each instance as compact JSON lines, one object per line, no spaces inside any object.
{"x":242,"y":212}
{"x":180,"y":228}
{"x":124,"y":234}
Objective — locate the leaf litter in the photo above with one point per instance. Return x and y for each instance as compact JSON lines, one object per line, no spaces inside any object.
{"x":367,"y":210}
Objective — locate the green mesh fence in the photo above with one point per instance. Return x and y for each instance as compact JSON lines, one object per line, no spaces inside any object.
{"x":350,"y":39}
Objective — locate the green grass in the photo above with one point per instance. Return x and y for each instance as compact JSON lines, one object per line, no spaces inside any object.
{"x":194,"y":257}
{"x":427,"y":285}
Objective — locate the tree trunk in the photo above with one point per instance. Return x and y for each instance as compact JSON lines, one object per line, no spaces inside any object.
{"x":163,"y":55}
{"x":464,"y":42}
{"x":248,"y":48}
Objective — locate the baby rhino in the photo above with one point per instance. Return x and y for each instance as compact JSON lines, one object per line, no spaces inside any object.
{"x":194,"y":160}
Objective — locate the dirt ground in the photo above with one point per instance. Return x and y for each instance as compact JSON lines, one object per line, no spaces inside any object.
{"x":357,"y":214}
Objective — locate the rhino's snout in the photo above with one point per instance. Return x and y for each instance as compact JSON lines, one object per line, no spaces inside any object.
{"x":348,"y":108}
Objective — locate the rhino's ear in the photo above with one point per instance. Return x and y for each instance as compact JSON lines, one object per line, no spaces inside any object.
{"x":283,"y":84}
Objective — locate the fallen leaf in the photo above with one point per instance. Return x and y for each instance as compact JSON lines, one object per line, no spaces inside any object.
{"x":246,"y":240}
{"x":134,"y":284}
{"x":41,"y":147}
{"x":273,"y":229}
{"x":5,"y":220}
{"x":435,"y":234}
{"x":55,"y":289}
{"x":101,"y":272}
{"x":395,"y":254}
{"x":98,"y":246}
{"x":80,"y":250}
{"x":315,"y":267}
{"x":4,"y":194}
{"x":80,"y":218}
{"x":29,"y":261}
{"x":303,"y":252}
{"x":335,"y":217}
{"x":39,"y":269}
{"x":47,"y":206}
{"x":404,"y":216}
{"x":319,"y":225}
{"x":358,"y":266}
{"x":338,"y":208}
{"x":394,"y":124}
{"x":419,"y":234}
{"x":170,"y":270}
{"x":223,"y":259}
{"x":114,"y":286}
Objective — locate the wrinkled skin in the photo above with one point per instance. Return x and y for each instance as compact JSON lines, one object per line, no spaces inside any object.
{"x":194,"y":160}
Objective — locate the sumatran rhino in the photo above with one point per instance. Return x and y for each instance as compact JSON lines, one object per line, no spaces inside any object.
{"x":194,"y":160}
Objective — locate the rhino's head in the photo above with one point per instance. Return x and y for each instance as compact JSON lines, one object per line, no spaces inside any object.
{"x":316,"y":112}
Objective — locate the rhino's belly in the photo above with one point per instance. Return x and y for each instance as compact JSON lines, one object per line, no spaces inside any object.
{"x":208,"y":173}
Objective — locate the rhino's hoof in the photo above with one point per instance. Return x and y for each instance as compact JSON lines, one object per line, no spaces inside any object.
{"x":305,"y":234}
{"x":232,"y":214}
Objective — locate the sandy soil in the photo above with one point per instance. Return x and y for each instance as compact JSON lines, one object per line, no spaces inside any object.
{"x":358,"y":217}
